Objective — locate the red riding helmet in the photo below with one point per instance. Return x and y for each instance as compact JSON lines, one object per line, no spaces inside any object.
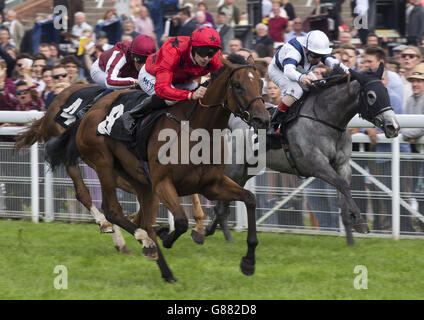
{"x":143,"y":45}
{"x":205,"y":36}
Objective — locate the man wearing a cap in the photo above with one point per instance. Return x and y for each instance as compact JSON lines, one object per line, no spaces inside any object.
{"x":415,"y":103}
{"x":410,"y":57}
{"x":397,"y":52}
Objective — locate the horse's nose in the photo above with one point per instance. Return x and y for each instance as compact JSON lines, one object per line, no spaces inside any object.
{"x":260,"y":123}
{"x":391,"y":131}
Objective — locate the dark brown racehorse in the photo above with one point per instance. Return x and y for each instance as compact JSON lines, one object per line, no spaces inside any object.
{"x":43,"y":129}
{"x":235,"y":90}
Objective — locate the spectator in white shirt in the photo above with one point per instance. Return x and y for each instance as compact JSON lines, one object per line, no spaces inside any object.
{"x":80,"y":24}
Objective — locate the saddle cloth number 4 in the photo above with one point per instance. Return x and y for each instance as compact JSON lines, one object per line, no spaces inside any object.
{"x":69,"y":112}
{"x":105,"y":127}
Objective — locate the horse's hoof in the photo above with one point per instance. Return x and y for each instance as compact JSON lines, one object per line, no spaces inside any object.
{"x":167,"y":244}
{"x":161,"y":231}
{"x":361,"y":227}
{"x":227,"y":235}
{"x":106,"y":227}
{"x":132,"y":217}
{"x":150,"y":253}
{"x":170,"y":280}
{"x":124,"y":250}
{"x":209,"y":231}
{"x":197,"y":237}
{"x":246,"y":267}
{"x":350,"y":243}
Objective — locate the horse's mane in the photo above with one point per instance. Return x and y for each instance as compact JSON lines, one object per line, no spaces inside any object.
{"x":335,"y":76}
{"x":233,"y":58}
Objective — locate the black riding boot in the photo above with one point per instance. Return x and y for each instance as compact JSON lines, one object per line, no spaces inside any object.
{"x":146,"y":106}
{"x":276,"y":120}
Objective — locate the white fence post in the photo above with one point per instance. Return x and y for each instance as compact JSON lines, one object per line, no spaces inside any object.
{"x":35,"y":192}
{"x":396,"y":188}
{"x":48,"y":194}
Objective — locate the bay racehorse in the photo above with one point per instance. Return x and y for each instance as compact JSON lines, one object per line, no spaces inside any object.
{"x":235,"y":89}
{"x":320,"y":143}
{"x":43,"y":129}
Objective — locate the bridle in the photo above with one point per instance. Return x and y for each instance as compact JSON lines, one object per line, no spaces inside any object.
{"x":364,"y":107}
{"x":242,"y":111}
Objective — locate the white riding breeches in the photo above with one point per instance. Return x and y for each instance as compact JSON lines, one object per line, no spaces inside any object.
{"x":147,"y":84}
{"x":287,"y":86}
{"x":98,"y":75}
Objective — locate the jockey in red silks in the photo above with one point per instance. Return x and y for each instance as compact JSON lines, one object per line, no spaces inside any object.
{"x":168,"y":75}
{"x":118,"y":67}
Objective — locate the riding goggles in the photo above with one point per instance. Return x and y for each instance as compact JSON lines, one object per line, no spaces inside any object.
{"x":139,"y":59}
{"x":206,"y":51}
{"x":315,"y":55}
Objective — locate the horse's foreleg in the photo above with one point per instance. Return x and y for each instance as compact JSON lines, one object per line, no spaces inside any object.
{"x":359,"y":224}
{"x":113,"y":211}
{"x":82,"y":194}
{"x":348,"y":205}
{"x":150,"y":205}
{"x":169,"y":197}
{"x":227,"y":190}
{"x":198,"y":232}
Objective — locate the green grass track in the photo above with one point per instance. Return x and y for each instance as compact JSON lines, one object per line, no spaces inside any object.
{"x":287,"y":266}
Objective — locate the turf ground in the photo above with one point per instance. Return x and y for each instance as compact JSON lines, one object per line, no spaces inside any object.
{"x":287,"y":266}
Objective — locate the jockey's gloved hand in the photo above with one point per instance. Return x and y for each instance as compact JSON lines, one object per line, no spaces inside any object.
{"x":345,"y":69}
{"x":199,"y":93}
{"x":307,"y":80}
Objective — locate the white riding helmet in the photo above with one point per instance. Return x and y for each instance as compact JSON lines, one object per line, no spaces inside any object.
{"x":316,"y":41}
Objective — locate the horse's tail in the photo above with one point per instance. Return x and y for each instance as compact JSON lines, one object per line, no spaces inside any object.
{"x":62,"y":150}
{"x":30,"y":136}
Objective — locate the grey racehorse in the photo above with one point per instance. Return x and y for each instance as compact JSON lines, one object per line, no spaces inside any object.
{"x":320,"y":143}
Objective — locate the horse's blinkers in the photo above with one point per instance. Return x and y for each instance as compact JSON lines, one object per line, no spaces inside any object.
{"x":373,"y":100}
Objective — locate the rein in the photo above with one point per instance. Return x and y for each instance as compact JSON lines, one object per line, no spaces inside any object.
{"x":315,"y":117}
{"x":243,"y":112}
{"x":363,"y":113}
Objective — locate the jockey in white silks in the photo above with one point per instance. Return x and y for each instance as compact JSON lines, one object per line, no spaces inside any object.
{"x":292,"y":66}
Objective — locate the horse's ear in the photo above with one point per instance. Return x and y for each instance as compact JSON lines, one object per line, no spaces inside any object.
{"x":357,"y":76}
{"x":250,"y":60}
{"x":225,"y":62}
{"x":380,"y":70}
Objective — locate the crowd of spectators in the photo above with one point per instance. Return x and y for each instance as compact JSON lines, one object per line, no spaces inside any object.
{"x":30,"y":77}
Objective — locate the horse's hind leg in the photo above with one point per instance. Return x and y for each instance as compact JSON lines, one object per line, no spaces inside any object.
{"x":113,"y":210}
{"x":83,"y":196}
{"x":221,"y":213}
{"x":198,"y":232}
